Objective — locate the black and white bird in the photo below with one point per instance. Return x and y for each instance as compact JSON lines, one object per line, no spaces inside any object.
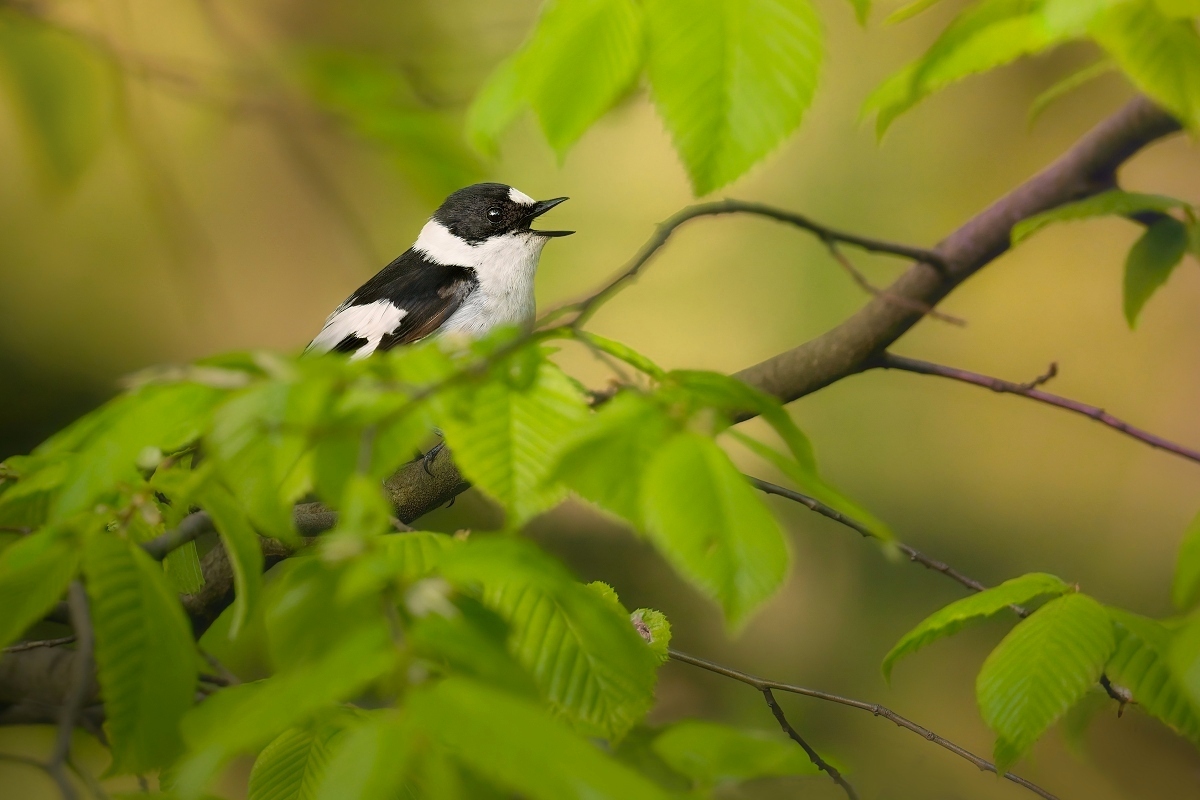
{"x":470,"y":270}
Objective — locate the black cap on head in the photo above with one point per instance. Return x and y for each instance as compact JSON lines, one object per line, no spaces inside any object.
{"x":484,"y":210}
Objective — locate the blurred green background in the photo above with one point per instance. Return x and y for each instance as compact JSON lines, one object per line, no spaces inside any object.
{"x":244,"y":166}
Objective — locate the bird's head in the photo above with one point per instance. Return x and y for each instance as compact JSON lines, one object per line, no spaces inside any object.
{"x":488,"y":210}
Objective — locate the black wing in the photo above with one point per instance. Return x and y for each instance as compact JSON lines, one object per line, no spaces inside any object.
{"x":406,"y":301}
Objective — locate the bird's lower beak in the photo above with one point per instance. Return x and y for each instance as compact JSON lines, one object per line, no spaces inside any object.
{"x":541,"y":207}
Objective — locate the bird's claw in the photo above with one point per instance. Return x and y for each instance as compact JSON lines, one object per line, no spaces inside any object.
{"x":428,"y":459}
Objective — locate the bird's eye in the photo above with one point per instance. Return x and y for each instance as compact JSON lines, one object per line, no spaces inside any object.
{"x":494,"y":214}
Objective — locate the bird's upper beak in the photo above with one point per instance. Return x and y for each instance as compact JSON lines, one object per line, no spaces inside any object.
{"x":541,"y":207}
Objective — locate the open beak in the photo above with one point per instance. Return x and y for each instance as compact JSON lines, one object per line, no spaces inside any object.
{"x":542,"y":207}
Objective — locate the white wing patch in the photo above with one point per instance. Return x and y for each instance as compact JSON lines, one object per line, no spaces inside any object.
{"x":519,"y":197}
{"x":370,"y":321}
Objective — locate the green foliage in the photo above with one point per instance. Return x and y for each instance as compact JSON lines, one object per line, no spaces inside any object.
{"x":505,"y":437}
{"x":34,"y":573}
{"x":244,"y":551}
{"x":268,"y":707}
{"x":1159,"y":54}
{"x":862,"y":10}
{"x":1042,"y":668}
{"x":909,"y":11}
{"x":1152,"y":41}
{"x":1067,"y":85}
{"x":1140,"y":664}
{"x":977,"y":607}
{"x":602,"y":680}
{"x":144,"y":653}
{"x":60,"y":87}
{"x":1111,"y":203}
{"x":511,"y":742}
{"x":291,"y":766}
{"x":366,"y":761}
{"x":1185,"y":591}
{"x":712,"y":526}
{"x":581,"y":58}
{"x":605,"y":460}
{"x":375,"y":101}
{"x":731,"y":78}
{"x":1151,"y":261}
{"x":986,"y":35}
{"x":711,"y":754}
{"x":1183,"y":658}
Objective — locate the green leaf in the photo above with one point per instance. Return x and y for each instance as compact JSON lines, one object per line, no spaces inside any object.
{"x":266,"y":708}
{"x":182,"y":566}
{"x":244,"y":549}
{"x":1184,"y":658}
{"x":1185,"y":591}
{"x":1179,"y":8}
{"x":1151,"y":261}
{"x":292,"y":766}
{"x":1111,"y":203}
{"x":1042,"y":668}
{"x":1068,"y":85}
{"x":984,"y":36}
{"x":306,"y":614}
{"x":862,"y":10}
{"x":506,"y":439}
{"x":375,"y":101}
{"x":731,"y":79}
{"x":34,"y":573}
{"x":403,"y":559}
{"x":710,"y":753}
{"x":258,"y":444}
{"x":1140,"y":664}
{"x":605,"y":459}
{"x":908,"y":11}
{"x":495,"y":106}
{"x":513,"y":743}
{"x":711,"y":525}
{"x":166,"y":417}
{"x":803,"y":472}
{"x":582,"y":57}
{"x":655,"y":628}
{"x":145,"y":655}
{"x":584,"y":654}
{"x":1161,"y":56}
{"x":976,"y":608}
{"x":60,"y":87}
{"x":367,"y":761}
{"x":623,"y":352}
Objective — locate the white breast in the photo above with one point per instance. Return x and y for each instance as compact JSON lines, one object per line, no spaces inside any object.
{"x":505,"y":266}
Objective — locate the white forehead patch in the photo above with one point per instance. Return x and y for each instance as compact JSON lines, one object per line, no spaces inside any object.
{"x":519,"y":197}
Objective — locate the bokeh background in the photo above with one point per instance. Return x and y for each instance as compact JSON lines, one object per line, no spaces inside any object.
{"x":231,"y":203}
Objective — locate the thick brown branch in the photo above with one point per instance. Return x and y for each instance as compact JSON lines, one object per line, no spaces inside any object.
{"x":1030,"y":390}
{"x":763,"y":685}
{"x":1085,"y":169}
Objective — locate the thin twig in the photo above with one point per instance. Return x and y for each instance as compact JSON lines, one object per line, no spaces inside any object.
{"x":762,"y":684}
{"x":813,"y":755}
{"x":94,"y":786}
{"x":190,"y":528}
{"x":903,"y":302}
{"x":1119,"y":693}
{"x":583,"y":309}
{"x":1030,"y":390}
{"x":80,"y":684}
{"x":17,"y":648}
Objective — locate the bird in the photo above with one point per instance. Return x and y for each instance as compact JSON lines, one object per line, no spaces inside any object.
{"x":471,"y":270}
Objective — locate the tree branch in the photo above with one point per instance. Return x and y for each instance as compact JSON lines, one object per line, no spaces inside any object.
{"x":764,"y":685}
{"x":813,"y":755}
{"x":81,"y":679}
{"x":1087,"y":168}
{"x":1030,"y":390}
